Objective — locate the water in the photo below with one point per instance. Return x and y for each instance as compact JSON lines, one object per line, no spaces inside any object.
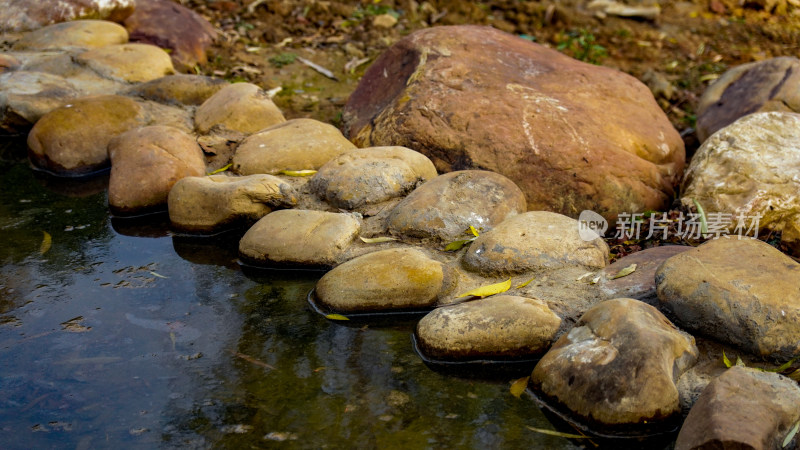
{"x":120,"y":334}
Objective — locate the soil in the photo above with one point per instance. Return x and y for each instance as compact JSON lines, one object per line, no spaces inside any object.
{"x":677,"y":54}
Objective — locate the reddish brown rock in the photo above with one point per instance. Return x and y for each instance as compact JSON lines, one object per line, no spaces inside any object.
{"x":641,"y":283}
{"x":572,"y":135}
{"x":24,"y":15}
{"x":146,"y":163}
{"x":769,"y":85}
{"x":169,"y":25}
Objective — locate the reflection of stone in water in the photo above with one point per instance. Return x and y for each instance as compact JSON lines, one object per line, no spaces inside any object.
{"x":182,"y":332}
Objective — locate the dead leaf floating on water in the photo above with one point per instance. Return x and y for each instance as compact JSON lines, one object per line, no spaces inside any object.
{"x":625,"y":272}
{"x":557,"y":433}
{"x":47,"y":242}
{"x":336,"y":317}
{"x":519,"y":386}
{"x":485,"y":291}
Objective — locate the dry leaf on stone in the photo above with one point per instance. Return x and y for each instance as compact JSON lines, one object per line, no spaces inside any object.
{"x":726,"y":361}
{"x":485,"y":291}
{"x":625,"y":272}
{"x":522,"y":285}
{"x":519,"y":386}
{"x":377,"y":240}
{"x":298,"y":173}
{"x":791,"y":434}
{"x":220,"y":170}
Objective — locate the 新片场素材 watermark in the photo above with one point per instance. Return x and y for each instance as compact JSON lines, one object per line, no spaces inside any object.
{"x":592,"y":225}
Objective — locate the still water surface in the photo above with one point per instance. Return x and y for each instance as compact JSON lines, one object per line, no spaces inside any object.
{"x":122,"y":335}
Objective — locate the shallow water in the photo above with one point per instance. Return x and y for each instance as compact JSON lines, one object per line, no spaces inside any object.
{"x":122,"y":334}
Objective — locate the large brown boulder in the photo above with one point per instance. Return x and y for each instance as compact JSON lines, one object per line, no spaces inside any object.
{"x":572,"y":135}
{"x":24,"y":15}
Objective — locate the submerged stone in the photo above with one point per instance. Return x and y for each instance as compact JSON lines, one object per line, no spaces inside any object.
{"x":299,"y":238}
{"x":383,"y":281}
{"x":217,"y":202}
{"x":617,"y":367}
{"x":371,"y":175}
{"x":498,"y":327}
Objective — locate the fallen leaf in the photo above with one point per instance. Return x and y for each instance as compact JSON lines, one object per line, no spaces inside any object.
{"x":377,"y":240}
{"x":221,"y":169}
{"x":336,"y":317}
{"x":739,"y":362}
{"x":522,"y":285}
{"x":519,"y":386}
{"x":791,"y":434}
{"x":702,"y":213}
{"x":625,"y":272}
{"x":473,"y":231}
{"x":155,"y":274}
{"x":47,"y":242}
{"x":318,"y":68}
{"x":457,"y":245}
{"x":485,"y":291}
{"x":557,"y":433}
{"x":298,"y":173}
{"x":726,"y":361}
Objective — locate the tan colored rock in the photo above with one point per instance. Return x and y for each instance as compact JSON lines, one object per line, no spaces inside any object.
{"x":498,"y":327}
{"x":386,"y":280}
{"x":371,"y":175}
{"x":178,"y":90}
{"x":531,"y":241}
{"x":618,"y":367}
{"x":571,"y":135}
{"x":24,"y":15}
{"x":769,"y":85}
{"x":384,"y":21}
{"x":295,"y":237}
{"x":79,"y":34}
{"x":239,"y":107}
{"x":169,"y":25}
{"x":749,"y":169}
{"x":146,"y":163}
{"x":446,"y":206}
{"x":72,"y":140}
{"x":297,"y":144}
{"x":172,"y":116}
{"x":62,"y":64}
{"x":743,"y":408}
{"x":217,"y":202}
{"x":740,"y":292}
{"x":26,"y":96}
{"x":134,"y":63}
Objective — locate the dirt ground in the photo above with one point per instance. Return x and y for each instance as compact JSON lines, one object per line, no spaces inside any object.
{"x":678,"y":53}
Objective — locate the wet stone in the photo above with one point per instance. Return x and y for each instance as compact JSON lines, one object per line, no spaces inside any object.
{"x":534,"y":240}
{"x":146,"y":163}
{"x":26,"y":96}
{"x":241,"y":107}
{"x":446,"y":206}
{"x":218,"y":202}
{"x":371,"y":175}
{"x":383,"y":281}
{"x":299,"y":238}
{"x":297,"y":144}
{"x":740,"y":292}
{"x":617,"y":368}
{"x":497,"y":327}
{"x":72,"y":140}
{"x":743,"y":408}
{"x":79,"y":34}
{"x":134,"y":63}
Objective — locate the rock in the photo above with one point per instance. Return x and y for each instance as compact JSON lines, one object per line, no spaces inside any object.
{"x":384,"y":21}
{"x":146,"y":163}
{"x":178,"y":90}
{"x":239,"y":107}
{"x":498,"y":327}
{"x":80,"y":34}
{"x":24,"y":15}
{"x":63,"y":64}
{"x":26,"y":96}
{"x":218,"y":202}
{"x":446,"y":206}
{"x":169,"y":25}
{"x":297,"y":144}
{"x":744,"y":408}
{"x":386,"y":280}
{"x":748,"y":169}
{"x":534,"y":240}
{"x":573,"y":136}
{"x":720,"y":290}
{"x":172,"y":116}
{"x":371,"y":175}
{"x":301,"y":238}
{"x":133,"y":63}
{"x":618,"y":367}
{"x":640,"y":284}
{"x":72,"y":140}
{"x":603,"y":8}
{"x":9,"y":63}
{"x":769,"y":85}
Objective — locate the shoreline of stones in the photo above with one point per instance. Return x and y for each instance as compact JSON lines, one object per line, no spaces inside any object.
{"x":381,"y":217}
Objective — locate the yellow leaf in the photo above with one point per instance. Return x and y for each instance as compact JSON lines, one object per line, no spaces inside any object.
{"x":522,"y":285}
{"x":518,"y":386}
{"x":725,"y":360}
{"x":47,"y":241}
{"x":298,"y":173}
{"x":456,"y":245}
{"x":336,"y":317}
{"x":221,"y":169}
{"x":473,"y":230}
{"x":485,"y":291}
{"x":791,"y":434}
{"x":625,"y":272}
{"x":703,"y":221}
{"x":377,"y":240}
{"x":557,"y":433}
{"x":739,"y":362}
